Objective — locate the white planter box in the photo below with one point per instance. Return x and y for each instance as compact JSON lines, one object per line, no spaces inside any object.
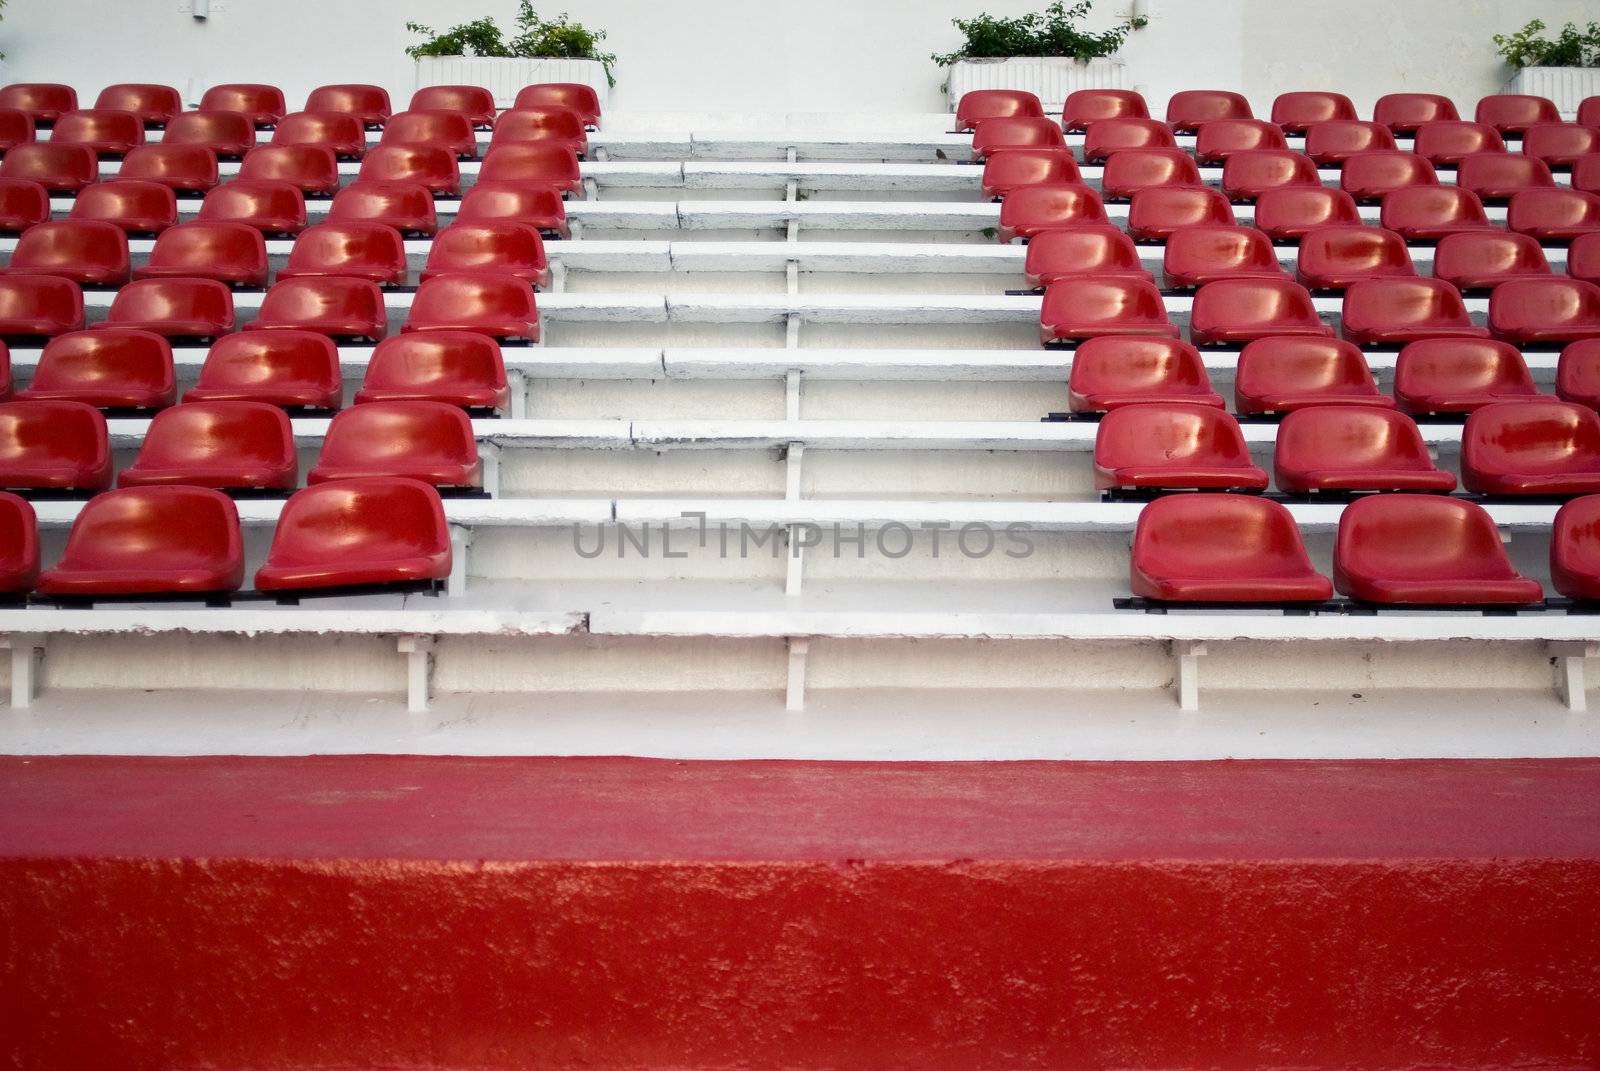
{"x":1050,"y":78}
{"x":504,"y":77}
{"x":1567,"y":86}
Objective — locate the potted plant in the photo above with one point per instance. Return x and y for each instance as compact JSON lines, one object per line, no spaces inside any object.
{"x":1565,"y":70}
{"x":1045,"y":52}
{"x":541,"y":50}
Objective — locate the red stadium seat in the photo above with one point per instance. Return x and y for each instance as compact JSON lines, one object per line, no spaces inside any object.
{"x":1367,"y":176}
{"x":1297,"y":113}
{"x":1583,"y":257}
{"x":152,"y":104}
{"x":1586,"y":174}
{"x":1247,"y":175}
{"x":19,"y":544}
{"x":1085,"y":308}
{"x":150,"y":541}
{"x":1241,"y":310}
{"x":1336,"y":141}
{"x":1222,"y":548}
{"x":548,"y":124}
{"x":106,"y":132}
{"x":1333,"y":258}
{"x":1588,"y":111}
{"x":1446,"y":144}
{"x":1198,"y":255}
{"x":1113,"y":135}
{"x":262,"y":105}
{"x":232,"y":253}
{"x":1353,"y":448}
{"x":44,"y":101}
{"x":991,"y":135}
{"x":1541,"y":311}
{"x":341,"y":132}
{"x":497,"y":306}
{"x":1512,"y":114}
{"x":312,"y":169}
{"x":1497,"y":176}
{"x":1481,"y":260}
{"x":1402,"y":310}
{"x":1429,"y":213}
{"x":110,"y":369}
{"x":575,"y":95}
{"x":340,"y":307}
{"x":1031,"y":209}
{"x":372,"y":251}
{"x":269,"y":207}
{"x":1157,"y":211}
{"x":1110,"y":372}
{"x":980,"y":104}
{"x":369,"y":104}
{"x":1556,"y":215}
{"x":357,"y":533}
{"x":426,"y":165}
{"x":1190,"y":109}
{"x":457,"y":367}
{"x":138,"y":207}
{"x":1131,"y":170}
{"x":474,"y":102}
{"x":16,"y":128}
{"x":532,"y":164}
{"x":446,"y":130}
{"x":1086,"y":106}
{"x":1539,"y":447}
{"x":1004,"y":171}
{"x":1280,"y":374}
{"x":189,"y":168}
{"x":538,"y":206}
{"x":1458,"y":375}
{"x":90,"y":254}
{"x":292,"y":369}
{"x":227,"y":134}
{"x":428,"y":441}
{"x":1560,"y":144}
{"x":1578,"y":373}
{"x":226,"y":445}
{"x":1425,"y":550}
{"x":1081,"y":251}
{"x":53,"y":165}
{"x":1404,"y":113}
{"x":57,"y":446}
{"x":35,"y":305}
{"x":23,"y":203}
{"x":501,"y":248}
{"x":405,"y":206}
{"x":1289,"y":213}
{"x":1172,"y":447}
{"x":175,"y":308}
{"x":1575,"y":549}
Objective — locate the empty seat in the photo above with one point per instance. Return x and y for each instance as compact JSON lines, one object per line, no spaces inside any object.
{"x":430,"y":166}
{"x":457,"y":367}
{"x":1198,"y":255}
{"x":150,"y":541}
{"x":107,"y":132}
{"x":1087,"y":106}
{"x":34,"y":305}
{"x":1336,"y":141}
{"x":44,"y":101}
{"x":293,"y":369}
{"x":1247,"y":174}
{"x":312,"y":169}
{"x":228,"y":134}
{"x":446,"y":130}
{"x":1298,"y":112}
{"x":980,"y":104}
{"x":23,"y":203}
{"x":1545,"y":310}
{"x":53,"y":165}
{"x":1428,"y":213}
{"x":1131,"y":170}
{"x":548,"y":124}
{"x":538,"y":206}
{"x":1367,"y":176}
{"x":1113,"y":135}
{"x":1575,"y":549}
{"x":575,"y":95}
{"x":226,"y":445}
{"x":263,"y":105}
{"x":405,"y":206}
{"x":1239,"y":310}
{"x":1537,"y":447}
{"x":269,"y":207}
{"x":333,"y":305}
{"x":117,"y":368}
{"x":1512,"y":113}
{"x":1586,"y":173}
{"x":1554,"y":214}
{"x":1190,"y":109}
{"x":58,"y":446}
{"x":368,"y":103}
{"x":341,"y":132}
{"x":1446,"y":144}
{"x":991,"y":135}
{"x":1401,"y":310}
{"x":153,"y":104}
{"x":358,"y":533}
{"x":1031,"y":209}
{"x":474,"y":102}
{"x":1173,"y":447}
{"x":91,"y":254}
{"x":427,"y":441}
{"x":1578,"y":373}
{"x":1333,"y":258}
{"x":372,"y":251}
{"x":232,"y":253}
{"x":494,"y":305}
{"x":1479,"y":260}
{"x":1280,"y":374}
{"x":16,"y":128}
{"x":1156,"y":211}
{"x":175,"y":308}
{"x":1084,"y":308}
{"x":533,"y":164}
{"x":135,"y":205}
{"x":1497,"y":176}
{"x":1404,"y":113}
{"x":19,"y":544}
{"x":1079,"y":251}
{"x":1289,"y":213}
{"x":1583,"y":257}
{"x":1353,"y":448}
{"x":1004,"y":171}
{"x":1425,"y":550}
{"x":1222,"y":548}
{"x":189,"y":168}
{"x":1458,"y":375}
{"x":498,"y":248}
{"x":1588,"y":111}
{"x":1109,"y":372}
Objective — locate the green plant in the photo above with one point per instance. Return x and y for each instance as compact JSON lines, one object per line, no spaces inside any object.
{"x":1051,"y":32}
{"x":1571,"y":48}
{"x":535,"y":37}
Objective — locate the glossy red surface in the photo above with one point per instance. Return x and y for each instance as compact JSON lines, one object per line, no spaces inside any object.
{"x":1131,"y":170}
{"x":1511,"y":113}
{"x":575,"y":95}
{"x":104,"y":130}
{"x":459,"y":367}
{"x":1239,"y":310}
{"x":1334,"y":258}
{"x":1020,"y":133}
{"x":1190,"y":109}
{"x":492,"y":305}
{"x":1457,"y":375}
{"x":427,"y":441}
{"x":342,"y":132}
{"x":1298,"y":112}
{"x":1578,"y":373}
{"x":39,"y":305}
{"x":1557,"y":215}
{"x":1405,"y":112}
{"x":137,"y":206}
{"x":45,"y":101}
{"x":1428,"y":213}
{"x":1401,"y":310}
{"x":1086,"y":106}
{"x":151,"y":103}
{"x":217,"y":444}
{"x":405,"y":206}
{"x":1287,"y":213}
{"x":1425,"y":549}
{"x":224,"y":133}
{"x":533,"y":164}
{"x":16,"y":128}
{"x":54,"y":165}
{"x":1575,"y":549}
{"x":263,"y":105}
{"x":448,"y":130}
{"x":1535,"y":447}
{"x":1496,"y":176}
{"x":1586,"y":174}
{"x":1084,"y":308}
{"x":1247,"y":174}
{"x":56,"y":445}
{"x":980,"y":104}
{"x":1551,"y":309}
{"x":298,"y":369}
{"x":1221,"y":138}
{"x":191,"y":168}
{"x":1112,"y":371}
{"x":1583,"y":257}
{"x":1173,"y":446}
{"x":332,"y":305}
{"x":474,"y":102}
{"x":1198,"y":255}
{"x":150,"y":540}
{"x":1480,"y":260}
{"x":380,"y":530}
{"x":270,"y":207}
{"x":517,"y":202}
{"x":109,"y":368}
{"x":1274,"y":375}
{"x":1028,"y":210}
{"x":1353,"y":448}
{"x":497,"y":248}
{"x":1367,"y":176}
{"x":23,"y":203}
{"x":1588,"y":111}
{"x":176,"y":308}
{"x":368,"y":103}
{"x":19,"y":545}
{"x":550,"y":123}
{"x":372,"y":251}
{"x":1560,"y":144}
{"x":1156,"y":211}
{"x":1222,"y":548}
{"x":427,"y":165}
{"x":309,"y":168}
{"x":1007,"y":169}
{"x":1067,"y":252}
{"x":1107,"y":136}
{"x":1447,"y":143}
{"x":232,"y":253}
{"x":1336,"y":140}
{"x":90,"y":254}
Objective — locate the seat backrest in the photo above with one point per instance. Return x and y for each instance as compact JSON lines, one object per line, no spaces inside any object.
{"x":1188,"y":110}
{"x":155,"y":303}
{"x":288,"y":367}
{"x":45,"y":101}
{"x":183,"y":167}
{"x":135,"y":205}
{"x":1156,"y":211}
{"x":1512,"y":113}
{"x":1007,"y":169}
{"x":575,"y":95}
{"x":1449,"y":141}
{"x":1278,"y":373}
{"x":1110,"y":135}
{"x":1337,"y":140}
{"x":1430,"y":212}
{"x":330,"y":247}
{"x":261,"y":104}
{"x":1156,"y":435}
{"x":1246,"y":174}
{"x":54,"y":165}
{"x":44,"y":301}
{"x":1367,"y":176}
{"x":273,"y":207}
{"x":1537,"y":437}
{"x":1501,"y":174}
{"x":1298,"y":112}
{"x":388,"y":529}
{"x":1459,"y":374}
{"x":1131,"y":170}
{"x":151,"y":103}
{"x":1418,"y":537}
{"x":340,"y":131}
{"x":446,"y":129}
{"x":979,"y":104}
{"x":209,"y":438}
{"x":1290,"y":212}
{"x":225,"y":133}
{"x":111,"y":368}
{"x":1085,"y":106}
{"x":60,"y":444}
{"x":139,"y":531}
{"x":368,"y":103}
{"x":311,"y":168}
{"x":1019,"y":133}
{"x":1405,"y":112}
{"x":474,"y":102}
{"x":543,"y":123}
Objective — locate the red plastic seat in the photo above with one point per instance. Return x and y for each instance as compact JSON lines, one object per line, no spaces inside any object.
{"x":1498,"y":176}
{"x":532,"y":164}
{"x":269,"y":207}
{"x":1113,"y":135}
{"x":1240,"y":310}
{"x":1588,"y":111}
{"x":538,"y":206}
{"x":1367,"y":176}
{"x":1173,"y":447}
{"x":1298,"y":112}
{"x":1284,"y":373}
{"x":1336,"y":141}
{"x":1333,"y":258}
{"x":226,"y":445}
{"x":53,"y":165}
{"x":34,"y":305}
{"x":228,"y":134}
{"x":1110,"y":372}
{"x":1448,"y":143}
{"x":428,"y":441}
{"x":446,"y":130}
{"x":1586,"y":173}
{"x":174,"y":308}
{"x":1156,"y":211}
{"x":1578,"y":373}
{"x":426,"y":165}
{"x":1069,"y":252}
{"x":138,"y":207}
{"x":19,"y":544}
{"x":312,"y":169}
{"x":980,"y":104}
{"x":1086,"y":106}
{"x":341,"y":132}
{"x":103,"y":131}
{"x":23,"y":203}
{"x":1425,"y":550}
{"x":1004,"y":171}
{"x":500,"y":248}
{"x":1131,"y":170}
{"x":371,"y":251}
{"x":405,"y":206}
{"x":1583,"y":257}
{"x":1429,"y":213}
{"x":1539,"y":447}
{"x":1402,"y":310}
{"x":232,"y":253}
{"x":1189,"y":110}
{"x":59,"y":446}
{"x":1198,"y":255}
{"x":152,"y":104}
{"x":44,"y":101}
{"x":332,"y":305}
{"x":1031,"y":209}
{"x":1289,"y":213}
{"x":1222,"y":548}
{"x":190,"y":168}
{"x":263,"y":105}
{"x":1247,"y":175}
{"x":368,"y":103}
{"x":991,"y":135}
{"x":1404,"y":113}
{"x":1458,"y":375}
{"x":356,"y":533}
{"x":498,"y":306}
{"x":1086,"y":308}
{"x":1551,"y":309}
{"x":474,"y":102}
{"x":293,"y":369}
{"x":1353,"y":448}
{"x":110,"y":369}
{"x":16,"y":128}
{"x":1575,"y":549}
{"x":548,"y":124}
{"x":149,"y":541}
{"x":575,"y":95}
{"x":1481,"y":260}
{"x":1556,"y":214}
{"x":456,"y":367}
{"x":90,"y":254}
{"x":1511,"y":113}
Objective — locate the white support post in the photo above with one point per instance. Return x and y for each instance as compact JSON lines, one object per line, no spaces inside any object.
{"x":558,"y":277}
{"x":1571,"y":683}
{"x":795,"y":695}
{"x":419,"y":671}
{"x":601,"y":154}
{"x":27,"y":652}
{"x":795,"y":572}
{"x":489,"y":458}
{"x":460,"y":542}
{"x":1189,"y":653}
{"x":591,"y":190}
{"x":517,"y":384}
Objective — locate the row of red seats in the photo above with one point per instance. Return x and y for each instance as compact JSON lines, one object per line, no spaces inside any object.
{"x":186,"y":541}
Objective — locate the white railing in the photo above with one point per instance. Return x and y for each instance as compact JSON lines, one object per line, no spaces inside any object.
{"x":1050,"y":78}
{"x":504,"y":77}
